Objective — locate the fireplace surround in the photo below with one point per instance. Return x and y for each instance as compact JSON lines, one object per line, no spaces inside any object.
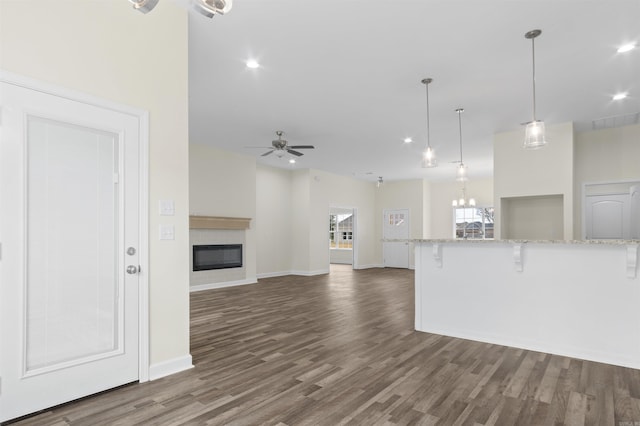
{"x":219,"y":231}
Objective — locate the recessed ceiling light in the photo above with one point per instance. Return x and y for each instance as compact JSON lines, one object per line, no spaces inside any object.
{"x":252,"y":63}
{"x":408,"y":140}
{"x":626,"y":47}
{"x":619,"y":96}
{"x":292,"y":161}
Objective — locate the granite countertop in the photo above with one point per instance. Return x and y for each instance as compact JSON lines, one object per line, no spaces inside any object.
{"x":479,"y":241}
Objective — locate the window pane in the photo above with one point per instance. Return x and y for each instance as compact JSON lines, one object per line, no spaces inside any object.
{"x":71,"y":250}
{"x":341,"y":231}
{"x":473,"y":222}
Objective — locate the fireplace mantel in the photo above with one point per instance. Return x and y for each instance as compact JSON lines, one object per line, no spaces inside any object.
{"x":218,"y":222}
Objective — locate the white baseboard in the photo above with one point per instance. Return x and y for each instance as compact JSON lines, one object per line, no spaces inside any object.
{"x":603,"y":356}
{"x":201,"y":287}
{"x":169,"y":367}
{"x":310,"y":273}
{"x":274,"y":274}
{"x":373,"y":265}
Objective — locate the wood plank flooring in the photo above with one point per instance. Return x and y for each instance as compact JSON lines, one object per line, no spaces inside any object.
{"x":340,"y":350}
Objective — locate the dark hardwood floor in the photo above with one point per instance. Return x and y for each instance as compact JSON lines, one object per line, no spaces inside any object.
{"x":340,"y":349}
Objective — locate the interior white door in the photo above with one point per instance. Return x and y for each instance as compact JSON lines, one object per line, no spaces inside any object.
{"x":68,"y":216}
{"x":634,"y":193}
{"x":607,"y":217}
{"x":395,"y":226}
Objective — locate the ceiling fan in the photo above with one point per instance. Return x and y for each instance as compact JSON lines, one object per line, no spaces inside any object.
{"x":280,"y":147}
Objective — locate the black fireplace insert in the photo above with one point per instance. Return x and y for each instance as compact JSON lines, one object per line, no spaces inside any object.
{"x":217,"y":256}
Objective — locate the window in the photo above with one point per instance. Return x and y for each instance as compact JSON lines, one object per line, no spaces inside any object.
{"x":473,"y":222}
{"x":341,"y":231}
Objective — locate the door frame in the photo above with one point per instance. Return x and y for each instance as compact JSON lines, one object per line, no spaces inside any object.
{"x":354,"y":242}
{"x":143,"y":195}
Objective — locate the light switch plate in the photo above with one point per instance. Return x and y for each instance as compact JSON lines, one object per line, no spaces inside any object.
{"x":167,"y":232}
{"x":167,"y":208}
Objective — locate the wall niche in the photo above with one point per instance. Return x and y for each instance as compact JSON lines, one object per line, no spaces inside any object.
{"x":533,"y":218}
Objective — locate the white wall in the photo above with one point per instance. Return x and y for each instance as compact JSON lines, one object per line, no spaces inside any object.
{"x":604,"y":156}
{"x":576,"y":300}
{"x":106,"y":49}
{"x":443,"y":193}
{"x":539,"y":218}
{"x":274,"y":230}
{"x":519,"y":172}
{"x":330,"y":190}
{"x":404,"y":194}
{"x":222,"y":183}
{"x":300,"y":223}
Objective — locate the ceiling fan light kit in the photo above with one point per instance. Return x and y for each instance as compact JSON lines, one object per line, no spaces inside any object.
{"x":144,"y":6}
{"x":281,"y":147}
{"x":208,"y":8}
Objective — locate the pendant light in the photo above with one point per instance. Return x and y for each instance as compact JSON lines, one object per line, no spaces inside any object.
{"x":428,"y":156}
{"x":534,"y":136}
{"x":379,"y":182}
{"x":463,"y":201}
{"x":461,"y":174}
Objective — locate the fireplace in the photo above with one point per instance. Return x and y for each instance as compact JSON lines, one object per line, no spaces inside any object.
{"x":217,"y":256}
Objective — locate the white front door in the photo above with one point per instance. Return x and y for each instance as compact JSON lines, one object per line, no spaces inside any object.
{"x":395,"y":225}
{"x":69,"y":218}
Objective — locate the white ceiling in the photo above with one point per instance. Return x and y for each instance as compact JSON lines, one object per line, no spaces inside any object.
{"x":344,"y":75}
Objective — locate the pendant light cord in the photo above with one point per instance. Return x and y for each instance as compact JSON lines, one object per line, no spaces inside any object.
{"x":428,"y":127}
{"x":459,"y":111}
{"x":533,"y":55}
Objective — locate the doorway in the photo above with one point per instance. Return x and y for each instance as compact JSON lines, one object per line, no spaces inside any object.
{"x":342,"y":236}
{"x":72,"y":191}
{"x":395,"y":226}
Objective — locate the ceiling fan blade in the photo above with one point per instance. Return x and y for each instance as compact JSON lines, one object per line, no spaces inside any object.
{"x":302,"y":147}
{"x":290,"y":151}
{"x":267,"y":153}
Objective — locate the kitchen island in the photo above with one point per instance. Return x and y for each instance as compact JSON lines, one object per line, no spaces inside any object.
{"x":573,"y":298}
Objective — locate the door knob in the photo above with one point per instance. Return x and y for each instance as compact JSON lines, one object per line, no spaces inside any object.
{"x":132,"y":269}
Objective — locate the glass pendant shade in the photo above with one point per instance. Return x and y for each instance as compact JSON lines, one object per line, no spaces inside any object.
{"x":461,"y":174}
{"x":462,"y":202}
{"x":534,"y":135}
{"x":429,"y":158}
